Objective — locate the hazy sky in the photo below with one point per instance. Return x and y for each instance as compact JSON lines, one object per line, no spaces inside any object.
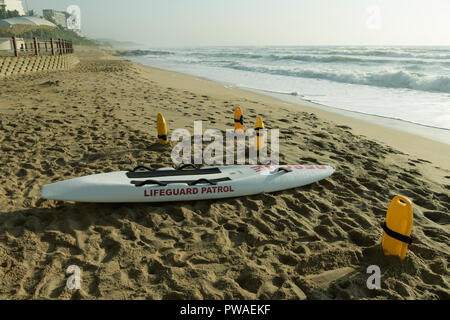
{"x":262,"y":22}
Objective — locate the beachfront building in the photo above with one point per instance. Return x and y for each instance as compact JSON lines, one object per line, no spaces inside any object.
{"x":20,"y":23}
{"x":12,"y":5}
{"x":58,"y":17}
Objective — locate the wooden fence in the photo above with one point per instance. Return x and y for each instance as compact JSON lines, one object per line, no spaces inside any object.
{"x":38,"y":47}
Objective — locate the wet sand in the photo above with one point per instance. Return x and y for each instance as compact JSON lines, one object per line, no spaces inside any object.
{"x":313,"y":242}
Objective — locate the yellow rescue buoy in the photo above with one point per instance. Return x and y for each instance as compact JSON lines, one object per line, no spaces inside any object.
{"x":259,"y":126}
{"x":397,"y":227}
{"x":238,"y":119}
{"x":162,"y":129}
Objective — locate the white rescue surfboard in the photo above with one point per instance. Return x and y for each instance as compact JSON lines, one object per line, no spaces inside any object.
{"x":168,"y":184}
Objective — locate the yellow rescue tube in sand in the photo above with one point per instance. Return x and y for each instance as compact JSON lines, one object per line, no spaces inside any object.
{"x":162,"y":129}
{"x":397,"y":227}
{"x":259,"y":126}
{"x":238,"y":119}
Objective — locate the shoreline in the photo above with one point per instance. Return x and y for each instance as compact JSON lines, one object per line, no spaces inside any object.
{"x":427,"y":131}
{"x":433,"y":133}
{"x":408,"y":142}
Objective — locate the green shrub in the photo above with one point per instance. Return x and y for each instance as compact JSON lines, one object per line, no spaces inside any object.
{"x":59,"y":33}
{"x":5,"y":14}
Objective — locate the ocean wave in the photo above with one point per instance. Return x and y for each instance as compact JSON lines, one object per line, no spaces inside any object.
{"x":343,"y":57}
{"x":242,"y":55}
{"x":313,"y":58}
{"x":387,"y":79}
{"x":349,"y":59}
{"x":134,"y":53}
{"x":399,"y":53}
{"x":417,"y":56}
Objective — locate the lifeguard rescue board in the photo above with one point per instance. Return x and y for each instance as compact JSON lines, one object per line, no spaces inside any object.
{"x":168,"y":184}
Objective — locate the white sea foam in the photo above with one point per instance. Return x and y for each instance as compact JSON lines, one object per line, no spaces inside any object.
{"x":409,"y":83}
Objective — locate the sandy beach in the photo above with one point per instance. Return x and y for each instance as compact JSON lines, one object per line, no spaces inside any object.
{"x":313,"y":242}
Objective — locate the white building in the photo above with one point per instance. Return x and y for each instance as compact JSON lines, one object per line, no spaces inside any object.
{"x":12,"y":5}
{"x":59,"y":17}
{"x":6,"y":43}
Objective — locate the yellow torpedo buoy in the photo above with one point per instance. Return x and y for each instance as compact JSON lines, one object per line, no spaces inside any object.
{"x":162,"y":129}
{"x":397,"y":227}
{"x":238,"y":119}
{"x":259,"y":126}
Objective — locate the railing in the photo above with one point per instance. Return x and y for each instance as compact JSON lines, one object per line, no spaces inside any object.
{"x":38,"y":47}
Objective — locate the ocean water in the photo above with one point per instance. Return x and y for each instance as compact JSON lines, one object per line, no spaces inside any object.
{"x":411,"y":84}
